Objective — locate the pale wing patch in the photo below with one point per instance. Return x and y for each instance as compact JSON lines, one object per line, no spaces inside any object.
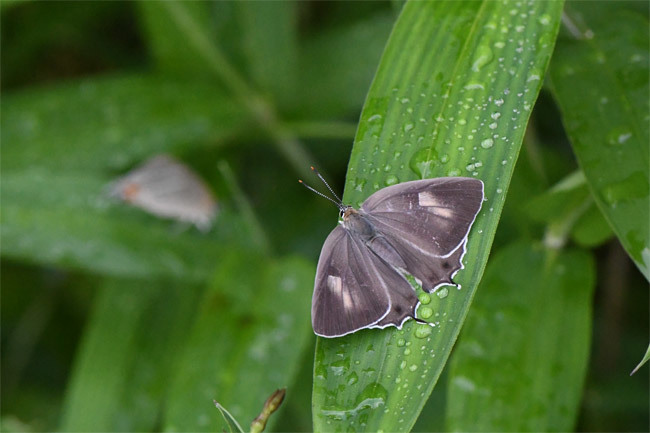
{"x":335,"y":285}
{"x":426,"y":199}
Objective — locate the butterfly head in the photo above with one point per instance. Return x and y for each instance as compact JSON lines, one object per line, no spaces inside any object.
{"x":346,"y":211}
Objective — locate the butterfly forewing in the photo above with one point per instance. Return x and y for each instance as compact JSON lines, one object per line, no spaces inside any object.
{"x":349,"y":293}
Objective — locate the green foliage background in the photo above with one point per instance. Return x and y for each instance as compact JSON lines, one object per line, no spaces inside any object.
{"x":114,"y":320}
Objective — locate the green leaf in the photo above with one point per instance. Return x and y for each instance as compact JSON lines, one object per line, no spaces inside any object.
{"x":591,"y":229}
{"x":110,"y":123}
{"x":645,"y":359}
{"x":522,"y":358}
{"x":451,"y":97}
{"x":245,"y":343}
{"x":65,"y":219}
{"x":231,"y":423}
{"x":171,"y":53}
{"x":600,"y":80}
{"x":121,"y":374}
{"x":335,"y":73}
{"x":270,"y":45}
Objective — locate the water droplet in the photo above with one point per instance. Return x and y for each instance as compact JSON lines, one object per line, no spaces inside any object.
{"x":499,"y":44}
{"x":493,"y":125}
{"x":423,"y":161}
{"x":408,"y":127}
{"x":352,"y":378}
{"x":359,"y":183}
{"x":375,"y":118}
{"x":443,"y":292}
{"x":470,"y":167}
{"x":453,"y":172}
{"x":391,"y":180}
{"x":483,"y":56}
{"x":407,"y":351}
{"x":423,"y":331}
{"x":498,"y":102}
{"x":462,"y":122}
{"x":618,"y":136}
{"x":544,"y":20}
{"x":402,"y":364}
{"x":487,"y":143}
{"x":372,"y":397}
{"x":401,"y":342}
{"x":424,"y":298}
{"x":474,"y":86}
{"x":339,"y":367}
{"x":425,"y":312}
{"x":413,"y":367}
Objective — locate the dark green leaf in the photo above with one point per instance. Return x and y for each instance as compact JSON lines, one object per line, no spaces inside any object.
{"x":128,"y":352}
{"x":107,"y":124}
{"x":246,"y":342}
{"x":270,"y":45}
{"x":600,"y":80}
{"x":522,"y":357}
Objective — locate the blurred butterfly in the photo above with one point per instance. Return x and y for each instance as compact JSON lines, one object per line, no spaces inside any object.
{"x":165,"y":187}
{"x":418,"y":228}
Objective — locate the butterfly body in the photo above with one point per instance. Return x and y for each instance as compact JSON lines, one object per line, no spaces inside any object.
{"x":418,"y":228}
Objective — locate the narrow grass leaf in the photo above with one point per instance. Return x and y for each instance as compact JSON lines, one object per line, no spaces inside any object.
{"x":522,"y":357}
{"x":170,"y":52}
{"x":104,"y":124}
{"x":600,"y":79}
{"x":451,"y":97}
{"x":336,"y":67}
{"x":269,"y":35}
{"x":246,"y":342}
{"x":645,"y":359}
{"x":128,"y":351}
{"x":231,"y":423}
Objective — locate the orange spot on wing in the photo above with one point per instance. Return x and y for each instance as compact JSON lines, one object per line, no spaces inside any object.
{"x":130,"y":191}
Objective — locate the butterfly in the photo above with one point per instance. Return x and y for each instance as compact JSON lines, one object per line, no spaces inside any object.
{"x":166,"y":187}
{"x":418,"y":228}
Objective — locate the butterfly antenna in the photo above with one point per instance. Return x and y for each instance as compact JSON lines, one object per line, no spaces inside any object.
{"x":338,"y":204}
{"x":327,"y":185}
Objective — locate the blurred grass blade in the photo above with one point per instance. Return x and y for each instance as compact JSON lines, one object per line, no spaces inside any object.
{"x":451,"y":97}
{"x":247,"y":340}
{"x":645,"y":359}
{"x":64,"y":218}
{"x":522,"y":358}
{"x":269,"y":35}
{"x":170,"y":52}
{"x":110,"y":123}
{"x":336,"y":67}
{"x":600,"y":80}
{"x":121,"y":372}
{"x":231,"y":423}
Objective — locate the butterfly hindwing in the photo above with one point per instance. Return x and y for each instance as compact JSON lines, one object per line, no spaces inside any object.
{"x":426,"y":224}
